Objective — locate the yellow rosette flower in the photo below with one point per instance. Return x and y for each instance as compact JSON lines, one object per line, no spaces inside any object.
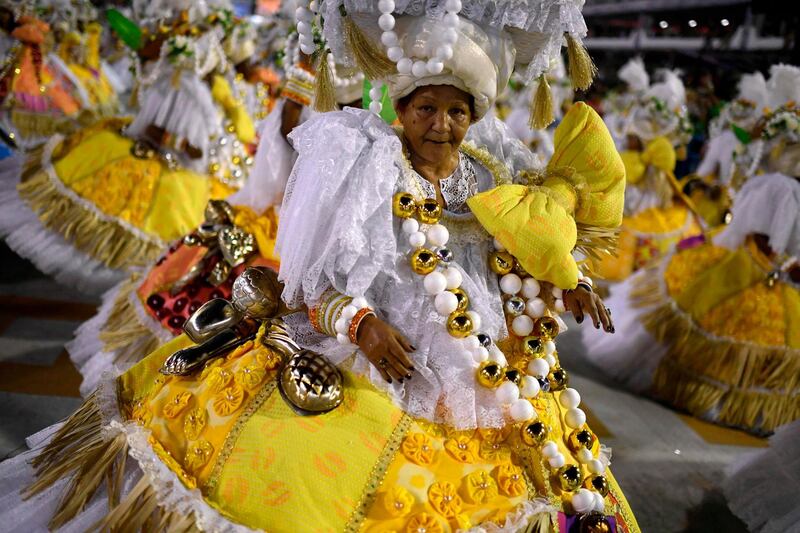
{"x":397,"y":502}
{"x":218,"y":378}
{"x":423,"y":523}
{"x":240,"y":350}
{"x":510,"y":480}
{"x":141,"y":414}
{"x":494,"y":451}
{"x":250,"y":376}
{"x":171,"y":463}
{"x":195,"y":422}
{"x":479,"y":487}
{"x":228,"y":400}
{"x":198,"y":455}
{"x":444,"y":498}
{"x":267,"y":359}
{"x":462,"y":448}
{"x":178,"y":403}
{"x":417,"y":448}
{"x":209,"y":366}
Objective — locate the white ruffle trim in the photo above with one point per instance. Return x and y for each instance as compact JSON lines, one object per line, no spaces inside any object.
{"x":47,"y":250}
{"x":518,"y":520}
{"x":87,"y":350}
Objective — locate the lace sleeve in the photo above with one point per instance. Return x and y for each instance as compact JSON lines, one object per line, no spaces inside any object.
{"x":336,"y":220}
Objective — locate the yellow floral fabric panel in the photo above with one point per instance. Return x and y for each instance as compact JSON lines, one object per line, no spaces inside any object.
{"x":191,"y":417}
{"x":234,"y":109}
{"x":754,"y":314}
{"x":448,"y":480}
{"x":290,"y":473}
{"x":142,"y":192}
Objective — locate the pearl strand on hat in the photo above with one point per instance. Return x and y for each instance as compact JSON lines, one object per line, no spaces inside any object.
{"x":443,"y":45}
{"x":305,"y":28}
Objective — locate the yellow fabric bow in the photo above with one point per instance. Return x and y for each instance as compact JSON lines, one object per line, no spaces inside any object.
{"x":659,"y":153}
{"x":234,"y":109}
{"x":584,"y":184}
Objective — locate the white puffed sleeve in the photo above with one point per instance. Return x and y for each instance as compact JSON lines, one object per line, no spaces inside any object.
{"x":336,"y":222}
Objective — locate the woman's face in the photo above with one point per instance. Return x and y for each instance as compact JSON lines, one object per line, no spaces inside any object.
{"x":435,"y":120}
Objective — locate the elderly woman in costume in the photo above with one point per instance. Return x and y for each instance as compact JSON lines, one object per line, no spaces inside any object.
{"x":422,"y":269}
{"x":711,"y":329}
{"x":151,"y":307}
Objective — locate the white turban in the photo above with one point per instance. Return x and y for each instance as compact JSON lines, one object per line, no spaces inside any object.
{"x":481,"y":64}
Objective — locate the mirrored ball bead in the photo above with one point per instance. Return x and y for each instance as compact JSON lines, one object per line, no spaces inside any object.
{"x":461,"y":296}
{"x":546,"y":327}
{"x":459,"y":324}
{"x":429,"y":211}
{"x":445,"y":255}
{"x":534,"y":433}
{"x":544,"y":384}
{"x":490,"y":374}
{"x":595,"y":521}
{"x":484,"y":339}
{"x":424,"y":261}
{"x":404,"y":205}
{"x":514,"y":306}
{"x":598,"y":483}
{"x":501,"y":263}
{"x":514,"y":375}
{"x":559,"y":379}
{"x":532,"y":347}
{"x":570,"y":477}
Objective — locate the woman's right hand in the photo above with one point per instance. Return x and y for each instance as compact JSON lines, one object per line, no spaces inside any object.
{"x":385,"y":348}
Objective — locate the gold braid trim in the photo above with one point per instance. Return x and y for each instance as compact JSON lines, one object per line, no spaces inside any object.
{"x":103,"y":239}
{"x":376,"y":476}
{"x":123,"y":332}
{"x":750,"y":385}
{"x":499,"y":171}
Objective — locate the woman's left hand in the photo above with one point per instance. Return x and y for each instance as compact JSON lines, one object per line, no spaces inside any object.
{"x":581,"y":301}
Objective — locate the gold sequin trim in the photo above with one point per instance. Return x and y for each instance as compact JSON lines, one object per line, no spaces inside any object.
{"x":377,"y":474}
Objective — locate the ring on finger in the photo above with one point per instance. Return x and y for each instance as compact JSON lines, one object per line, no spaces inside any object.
{"x":383,"y":362}
{"x":608,"y":311}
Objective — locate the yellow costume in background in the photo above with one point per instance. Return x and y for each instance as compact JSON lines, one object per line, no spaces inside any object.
{"x":648,"y":233}
{"x":116,"y":207}
{"x":733,"y":337}
{"x":81,"y":54}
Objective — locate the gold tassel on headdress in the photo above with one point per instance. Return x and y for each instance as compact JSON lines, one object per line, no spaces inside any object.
{"x":369,"y":58}
{"x":324,"y":95}
{"x":581,"y":68}
{"x":542,"y":106}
